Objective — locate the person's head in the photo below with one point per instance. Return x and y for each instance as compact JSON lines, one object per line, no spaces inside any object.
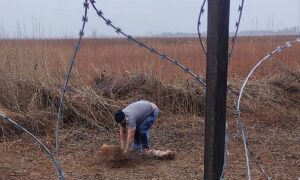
{"x":119,"y":116}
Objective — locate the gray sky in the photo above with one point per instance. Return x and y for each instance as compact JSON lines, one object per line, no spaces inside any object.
{"x":62,"y":18}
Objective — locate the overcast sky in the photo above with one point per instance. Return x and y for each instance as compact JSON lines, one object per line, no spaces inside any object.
{"x":62,"y":18}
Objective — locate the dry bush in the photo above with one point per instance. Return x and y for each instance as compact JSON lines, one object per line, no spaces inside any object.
{"x":37,"y":122}
{"x":96,"y":104}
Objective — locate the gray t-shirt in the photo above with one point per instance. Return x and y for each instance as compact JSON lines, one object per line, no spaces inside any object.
{"x":136,"y":112}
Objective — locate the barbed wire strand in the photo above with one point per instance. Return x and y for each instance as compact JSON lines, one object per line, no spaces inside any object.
{"x":41,"y":145}
{"x":261,"y":169}
{"x":68,"y":75}
{"x":198,"y":26}
{"x":277,"y":50}
{"x":143,"y":45}
{"x":237,"y":26}
{"x":227,"y":142}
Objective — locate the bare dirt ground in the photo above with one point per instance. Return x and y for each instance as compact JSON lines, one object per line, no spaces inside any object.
{"x":276,"y":143}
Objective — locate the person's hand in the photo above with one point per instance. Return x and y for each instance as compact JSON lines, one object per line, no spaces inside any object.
{"x":126,"y":154}
{"x":127,"y":151}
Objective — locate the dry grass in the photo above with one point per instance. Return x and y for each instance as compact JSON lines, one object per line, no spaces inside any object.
{"x":46,"y":59}
{"x":109,"y":73}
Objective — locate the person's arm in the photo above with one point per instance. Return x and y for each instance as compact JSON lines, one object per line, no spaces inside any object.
{"x":122,"y":136}
{"x":130,"y":137}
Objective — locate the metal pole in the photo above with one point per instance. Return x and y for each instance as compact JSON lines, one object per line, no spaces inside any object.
{"x":216,"y":89}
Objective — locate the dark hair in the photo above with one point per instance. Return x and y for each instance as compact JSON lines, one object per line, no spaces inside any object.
{"x":119,"y":116}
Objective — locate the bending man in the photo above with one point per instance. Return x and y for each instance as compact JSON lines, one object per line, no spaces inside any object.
{"x":137,"y":118}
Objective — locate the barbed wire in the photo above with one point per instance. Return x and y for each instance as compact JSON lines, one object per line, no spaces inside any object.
{"x":198,"y":26}
{"x":261,"y":169}
{"x":245,"y":139}
{"x":68,"y":75}
{"x":237,"y":26}
{"x":162,"y":56}
{"x":41,"y":145}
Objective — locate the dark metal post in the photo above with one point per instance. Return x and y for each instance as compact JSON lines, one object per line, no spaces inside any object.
{"x":216,"y":89}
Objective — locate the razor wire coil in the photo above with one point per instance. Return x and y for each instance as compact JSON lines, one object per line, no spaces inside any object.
{"x":237,"y":25}
{"x":244,"y":136}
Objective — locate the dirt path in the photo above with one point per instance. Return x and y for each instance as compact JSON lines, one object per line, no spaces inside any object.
{"x":276,"y":144}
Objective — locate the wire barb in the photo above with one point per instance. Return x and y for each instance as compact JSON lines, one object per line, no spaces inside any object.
{"x":100,"y":13}
{"x":288,"y":44}
{"x":86,"y":5}
{"x":84,"y":19}
{"x":141,"y":44}
{"x":81,"y":33}
{"x":108,"y":22}
{"x":187,"y":70}
{"x":237,"y":24}
{"x":118,"y":30}
{"x":240,"y":8}
{"x":129,"y":38}
{"x":152,"y":50}
{"x":163,"y":56}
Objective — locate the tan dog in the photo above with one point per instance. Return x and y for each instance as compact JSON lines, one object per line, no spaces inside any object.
{"x":114,"y":153}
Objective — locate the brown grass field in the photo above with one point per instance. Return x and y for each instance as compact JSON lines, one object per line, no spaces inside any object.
{"x":110,"y":73}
